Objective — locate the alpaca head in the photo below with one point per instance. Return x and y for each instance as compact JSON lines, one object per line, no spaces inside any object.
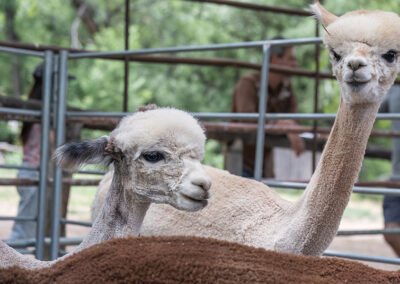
{"x":364,"y":48}
{"x":156,"y":156}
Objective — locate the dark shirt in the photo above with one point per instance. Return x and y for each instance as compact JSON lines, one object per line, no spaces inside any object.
{"x":245,"y":100}
{"x":31,"y":149}
{"x":391,"y":104}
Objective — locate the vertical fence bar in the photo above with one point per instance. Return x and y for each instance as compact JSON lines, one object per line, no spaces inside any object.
{"x":316,"y":91}
{"x":55,"y":89}
{"x":44,"y":154}
{"x":60,"y":137}
{"x":50,"y":195}
{"x":126,"y":62}
{"x":262,"y":107}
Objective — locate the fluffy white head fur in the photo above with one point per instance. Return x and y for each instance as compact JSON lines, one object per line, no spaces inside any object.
{"x":364,"y":47}
{"x":178,"y":178}
{"x":149,"y":128}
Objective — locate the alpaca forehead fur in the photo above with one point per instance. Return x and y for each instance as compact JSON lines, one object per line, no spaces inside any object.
{"x":374,"y":28}
{"x":160,"y":127}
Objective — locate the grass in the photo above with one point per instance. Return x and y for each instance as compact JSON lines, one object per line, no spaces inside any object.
{"x":8,"y":194}
{"x":81,"y":197}
{"x":80,"y":200}
{"x":8,"y":173}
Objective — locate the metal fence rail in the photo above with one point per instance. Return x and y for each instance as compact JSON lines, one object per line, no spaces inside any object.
{"x":389,"y":231}
{"x":356,"y":189}
{"x":18,"y":51}
{"x":191,"y":48}
{"x":21,"y":167}
{"x":357,"y":256}
{"x":238,"y":116}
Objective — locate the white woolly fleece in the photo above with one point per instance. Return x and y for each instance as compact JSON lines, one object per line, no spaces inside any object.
{"x":374,"y":28}
{"x":150,"y":127}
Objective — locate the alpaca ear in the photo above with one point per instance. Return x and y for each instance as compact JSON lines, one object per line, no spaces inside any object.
{"x":323,"y":16}
{"x":74,"y":154}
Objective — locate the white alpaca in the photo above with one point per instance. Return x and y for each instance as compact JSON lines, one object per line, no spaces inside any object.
{"x":364,"y":48}
{"x":156,"y":158}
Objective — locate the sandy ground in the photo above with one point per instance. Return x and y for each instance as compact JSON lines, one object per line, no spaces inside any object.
{"x":370,"y":245}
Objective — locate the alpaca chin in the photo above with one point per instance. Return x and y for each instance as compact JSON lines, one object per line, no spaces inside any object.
{"x":359,"y":93}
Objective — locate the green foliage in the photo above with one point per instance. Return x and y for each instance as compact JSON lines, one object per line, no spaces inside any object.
{"x":356,"y":213}
{"x":6,"y":134}
{"x":13,"y":158}
{"x":89,"y":134}
{"x":213,"y":155}
{"x":375,"y":169}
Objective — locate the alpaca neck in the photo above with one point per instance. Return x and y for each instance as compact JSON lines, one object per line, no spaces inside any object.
{"x":121,"y":215}
{"x":10,"y":257}
{"x":341,"y":160}
{"x":331,"y":185}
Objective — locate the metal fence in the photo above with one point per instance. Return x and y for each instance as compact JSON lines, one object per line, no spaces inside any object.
{"x":45,"y":130}
{"x":55,"y":93}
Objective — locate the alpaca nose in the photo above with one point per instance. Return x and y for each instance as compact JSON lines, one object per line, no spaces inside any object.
{"x":356,"y":63}
{"x":202,"y":181}
{"x":197,"y":175}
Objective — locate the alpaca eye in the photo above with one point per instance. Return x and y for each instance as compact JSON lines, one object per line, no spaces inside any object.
{"x":336,"y":56}
{"x":390,"y":56}
{"x":153,"y":157}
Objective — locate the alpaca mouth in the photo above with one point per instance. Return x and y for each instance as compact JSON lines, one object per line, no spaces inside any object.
{"x":193,"y":204}
{"x":197,"y":202}
{"x":357,"y":86}
{"x":195,"y":199}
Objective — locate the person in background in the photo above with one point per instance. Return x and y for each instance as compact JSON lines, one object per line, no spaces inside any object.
{"x":391,"y":204}
{"x":281,"y":99}
{"x":30,"y":138}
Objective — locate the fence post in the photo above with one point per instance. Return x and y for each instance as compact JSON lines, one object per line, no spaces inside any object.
{"x":44,"y":154}
{"x":60,"y":137}
{"x":262,"y":108}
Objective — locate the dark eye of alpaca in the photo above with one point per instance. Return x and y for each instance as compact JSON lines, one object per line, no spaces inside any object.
{"x":336,"y":56}
{"x":390,"y":56}
{"x":153,"y":157}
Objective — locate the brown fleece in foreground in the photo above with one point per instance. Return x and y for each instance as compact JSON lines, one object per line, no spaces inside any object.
{"x":194,"y":260}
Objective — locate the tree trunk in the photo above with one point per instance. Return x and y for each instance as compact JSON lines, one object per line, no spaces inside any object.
{"x":87,"y":16}
{"x":10,"y":8}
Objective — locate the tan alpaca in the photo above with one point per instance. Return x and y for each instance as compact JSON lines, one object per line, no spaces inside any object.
{"x":156,"y":156}
{"x":364,"y":48}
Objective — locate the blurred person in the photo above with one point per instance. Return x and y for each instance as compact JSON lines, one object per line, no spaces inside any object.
{"x":281,"y":99}
{"x":391,"y":204}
